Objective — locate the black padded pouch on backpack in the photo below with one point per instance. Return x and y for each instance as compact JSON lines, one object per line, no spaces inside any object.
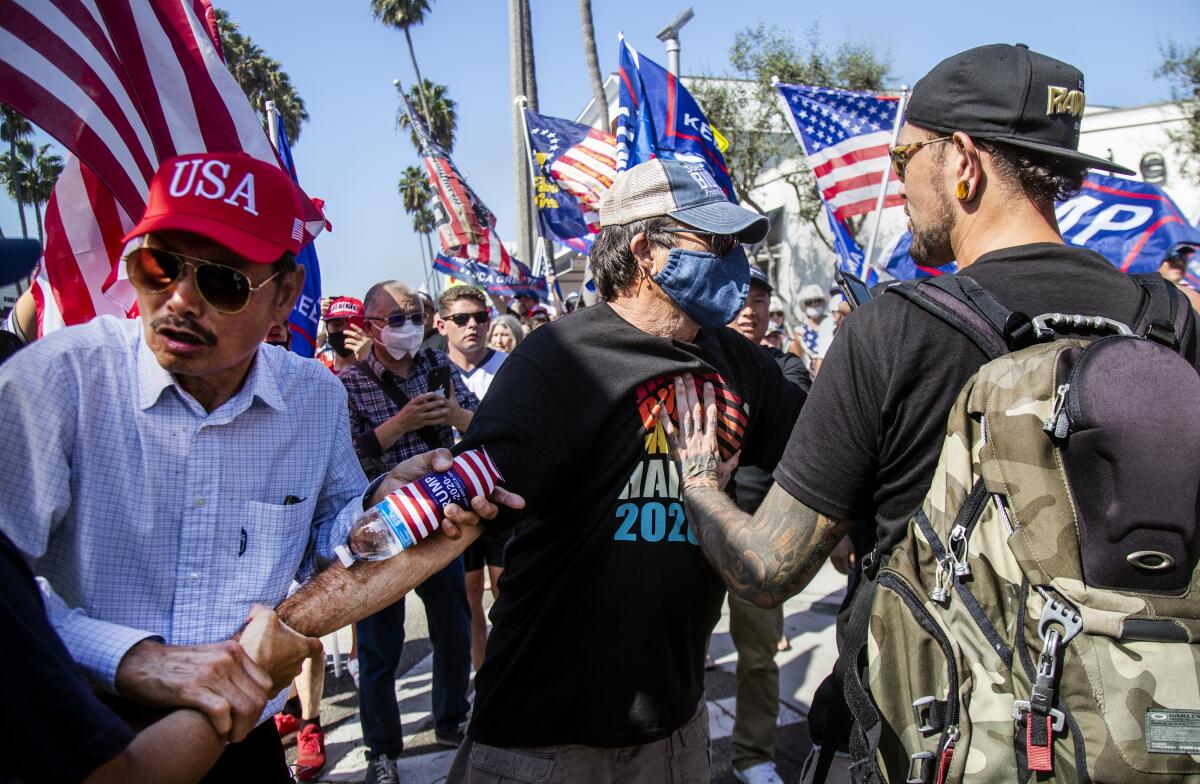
{"x":1130,"y":413}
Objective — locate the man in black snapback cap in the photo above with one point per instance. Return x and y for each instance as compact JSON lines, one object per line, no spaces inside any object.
{"x":989,"y":142}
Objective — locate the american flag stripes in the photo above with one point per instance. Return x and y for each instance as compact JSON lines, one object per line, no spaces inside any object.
{"x":846,"y":136}
{"x":77,"y":279}
{"x":123,"y":85}
{"x":466,"y":227}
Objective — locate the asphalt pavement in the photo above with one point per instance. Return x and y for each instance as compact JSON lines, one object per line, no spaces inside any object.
{"x":808,"y":624}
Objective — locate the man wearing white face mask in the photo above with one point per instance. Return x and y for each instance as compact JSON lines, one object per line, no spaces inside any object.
{"x":816,"y":333}
{"x":397,"y":410}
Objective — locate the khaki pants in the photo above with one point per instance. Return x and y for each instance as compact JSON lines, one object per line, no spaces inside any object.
{"x":683,"y":757}
{"x":755,"y":634}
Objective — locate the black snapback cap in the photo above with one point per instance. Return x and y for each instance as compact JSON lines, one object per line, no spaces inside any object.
{"x":1009,"y":94}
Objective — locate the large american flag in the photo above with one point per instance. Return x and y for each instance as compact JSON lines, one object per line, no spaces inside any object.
{"x":123,"y":85}
{"x":466,"y":227}
{"x":846,"y":135}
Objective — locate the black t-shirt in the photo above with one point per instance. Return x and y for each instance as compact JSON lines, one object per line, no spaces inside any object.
{"x":868,"y":440}
{"x":52,"y":727}
{"x":751,"y":483}
{"x":606,"y":601}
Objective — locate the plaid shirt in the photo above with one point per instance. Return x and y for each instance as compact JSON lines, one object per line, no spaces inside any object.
{"x":146,"y":516}
{"x":370,"y":407}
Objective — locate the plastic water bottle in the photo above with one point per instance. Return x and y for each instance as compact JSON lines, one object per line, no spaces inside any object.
{"x":412,"y":513}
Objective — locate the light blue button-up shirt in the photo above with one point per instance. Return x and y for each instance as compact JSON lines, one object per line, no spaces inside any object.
{"x":150,"y":517}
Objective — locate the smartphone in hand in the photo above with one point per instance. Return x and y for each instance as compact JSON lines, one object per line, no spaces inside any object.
{"x":439,"y":381}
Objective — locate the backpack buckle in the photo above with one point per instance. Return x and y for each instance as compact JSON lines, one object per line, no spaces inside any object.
{"x":936,"y":720}
{"x":1022,"y":707}
{"x":1163,"y":333}
{"x":920,"y":768}
{"x":1058,"y":613}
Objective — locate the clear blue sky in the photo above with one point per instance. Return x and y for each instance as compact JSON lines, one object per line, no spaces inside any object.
{"x":343,"y":63}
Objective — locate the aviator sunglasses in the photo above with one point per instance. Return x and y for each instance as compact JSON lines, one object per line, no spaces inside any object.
{"x":719,"y":244}
{"x":481,"y":317}
{"x":154,"y":270}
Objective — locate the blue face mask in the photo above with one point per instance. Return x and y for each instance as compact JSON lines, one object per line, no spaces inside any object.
{"x":710,"y":289}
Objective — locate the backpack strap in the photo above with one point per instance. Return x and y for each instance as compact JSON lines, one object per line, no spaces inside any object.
{"x":963,"y":304}
{"x":867,"y":726}
{"x":1165,"y":313}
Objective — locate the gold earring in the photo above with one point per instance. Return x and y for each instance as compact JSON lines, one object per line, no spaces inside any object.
{"x":962,"y":190}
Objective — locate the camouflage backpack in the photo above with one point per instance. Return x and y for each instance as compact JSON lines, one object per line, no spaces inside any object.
{"x":1041,"y":620}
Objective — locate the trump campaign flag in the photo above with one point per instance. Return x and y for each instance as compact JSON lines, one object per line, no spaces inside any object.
{"x":466,"y":227}
{"x":845,"y":135}
{"x":491,"y":280}
{"x":575,"y":165}
{"x":1133,"y":224}
{"x":123,"y":85}
{"x":658,"y":118}
{"x":306,"y":315}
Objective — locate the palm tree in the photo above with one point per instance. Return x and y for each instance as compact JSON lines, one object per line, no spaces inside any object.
{"x":13,"y":129}
{"x":36,"y":171}
{"x":441,"y":115}
{"x":405,"y":15}
{"x":261,"y":78}
{"x":593,"y":60}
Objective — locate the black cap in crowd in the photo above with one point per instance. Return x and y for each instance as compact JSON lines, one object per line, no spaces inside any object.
{"x":1009,"y":94}
{"x":760,"y":277}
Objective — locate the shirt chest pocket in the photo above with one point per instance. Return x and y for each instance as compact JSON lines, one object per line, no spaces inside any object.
{"x":272,"y":542}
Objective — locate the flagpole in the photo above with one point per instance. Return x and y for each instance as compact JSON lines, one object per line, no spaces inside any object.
{"x":273,"y":124}
{"x":887,"y":175}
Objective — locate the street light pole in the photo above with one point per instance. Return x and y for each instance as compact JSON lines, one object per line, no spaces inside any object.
{"x":670,"y":36}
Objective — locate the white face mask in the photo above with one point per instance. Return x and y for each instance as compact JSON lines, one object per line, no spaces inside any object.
{"x":402,"y":341}
{"x":814,"y":313}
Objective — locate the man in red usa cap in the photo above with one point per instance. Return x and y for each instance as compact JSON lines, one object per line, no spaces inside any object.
{"x":165,"y":474}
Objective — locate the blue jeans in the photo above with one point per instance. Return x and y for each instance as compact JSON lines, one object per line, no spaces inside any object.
{"x":380,"y":643}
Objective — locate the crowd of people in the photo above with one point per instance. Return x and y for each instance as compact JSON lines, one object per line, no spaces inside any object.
{"x":687,"y":437}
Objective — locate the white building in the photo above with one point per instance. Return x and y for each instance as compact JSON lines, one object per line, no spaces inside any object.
{"x":1136,"y":138}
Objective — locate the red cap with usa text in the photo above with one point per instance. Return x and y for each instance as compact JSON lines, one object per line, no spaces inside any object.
{"x":247,"y":205}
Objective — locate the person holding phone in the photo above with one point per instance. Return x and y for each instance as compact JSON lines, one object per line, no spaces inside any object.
{"x":403,"y":401}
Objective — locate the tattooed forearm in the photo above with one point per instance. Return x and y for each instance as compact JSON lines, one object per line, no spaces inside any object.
{"x":770,"y":556}
{"x":702,"y":466}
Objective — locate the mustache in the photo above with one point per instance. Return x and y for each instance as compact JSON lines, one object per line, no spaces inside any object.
{"x":207,"y":336}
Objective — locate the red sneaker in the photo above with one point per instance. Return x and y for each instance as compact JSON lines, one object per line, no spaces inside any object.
{"x":310,"y":753}
{"x":286,"y":725}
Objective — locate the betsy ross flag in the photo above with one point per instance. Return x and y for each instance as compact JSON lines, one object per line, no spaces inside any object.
{"x":123,"y":85}
{"x":846,"y":136}
{"x":576,"y":164}
{"x":466,"y":227}
{"x":658,"y":118}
